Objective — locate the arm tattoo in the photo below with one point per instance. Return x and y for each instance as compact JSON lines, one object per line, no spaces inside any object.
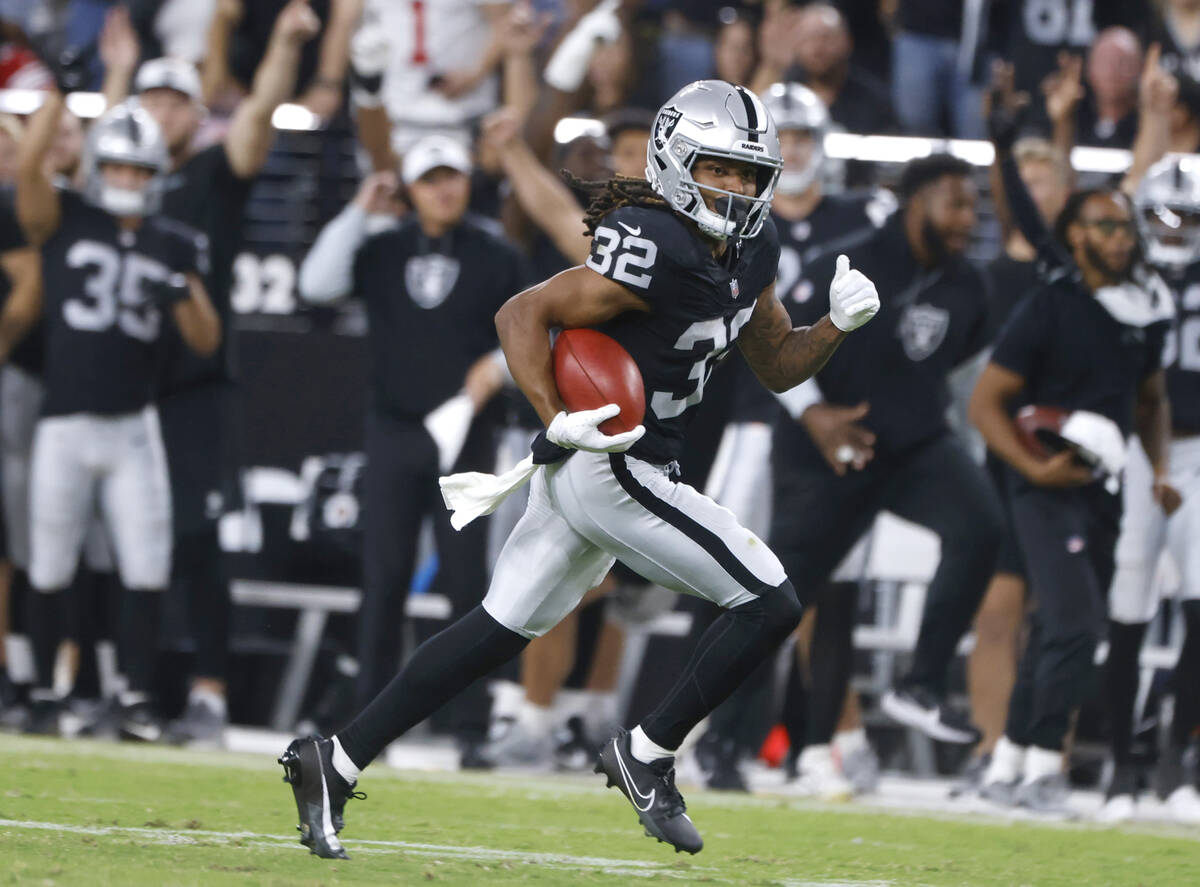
{"x":783,"y":357}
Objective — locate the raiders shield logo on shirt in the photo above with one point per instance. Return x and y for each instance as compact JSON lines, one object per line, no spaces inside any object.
{"x":922,"y":330}
{"x":430,"y":278}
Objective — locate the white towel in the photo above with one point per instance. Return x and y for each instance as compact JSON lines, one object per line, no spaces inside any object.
{"x":448,"y":426}
{"x":473,"y":494}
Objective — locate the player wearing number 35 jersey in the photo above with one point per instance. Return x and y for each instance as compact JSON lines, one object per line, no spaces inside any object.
{"x":681,"y":267}
{"x":114,"y":275}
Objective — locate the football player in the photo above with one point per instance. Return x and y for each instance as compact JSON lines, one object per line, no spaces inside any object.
{"x":1168,"y":207}
{"x":112,"y":269}
{"x":1089,"y":338}
{"x":681,"y":267}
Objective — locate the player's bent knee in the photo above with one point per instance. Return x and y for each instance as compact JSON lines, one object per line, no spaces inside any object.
{"x":781,"y":609}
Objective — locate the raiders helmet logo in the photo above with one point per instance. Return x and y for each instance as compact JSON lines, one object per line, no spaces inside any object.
{"x":922,"y":330}
{"x":430,"y":278}
{"x":668,"y":118}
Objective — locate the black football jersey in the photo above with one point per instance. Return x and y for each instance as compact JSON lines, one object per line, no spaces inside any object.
{"x":205,"y":194}
{"x":1181,"y":355}
{"x":698,"y":304}
{"x":29,"y":353}
{"x":102,"y":322}
{"x":800,"y":240}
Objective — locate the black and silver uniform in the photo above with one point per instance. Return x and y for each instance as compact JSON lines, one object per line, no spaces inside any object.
{"x":207,"y":195}
{"x":1182,"y":354}
{"x":698,"y":304}
{"x":102,"y":319}
{"x":800,"y":241}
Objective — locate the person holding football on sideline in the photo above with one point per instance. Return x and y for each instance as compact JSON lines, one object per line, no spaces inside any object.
{"x":681,"y":266}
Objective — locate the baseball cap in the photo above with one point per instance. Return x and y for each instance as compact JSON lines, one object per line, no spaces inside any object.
{"x":169,"y":73}
{"x":432,"y":152}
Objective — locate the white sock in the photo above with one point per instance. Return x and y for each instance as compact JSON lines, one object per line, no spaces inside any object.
{"x":646,"y":750}
{"x":209,"y":699}
{"x":1041,"y":762}
{"x":816,"y":757}
{"x":507,"y":698}
{"x":537,"y":720}
{"x":600,"y":713}
{"x":849,"y":741}
{"x":342,"y":763}
{"x":1008,"y":762}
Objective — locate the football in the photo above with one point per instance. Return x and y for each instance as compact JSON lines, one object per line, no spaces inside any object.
{"x":591,"y":370}
{"x":1041,"y":427}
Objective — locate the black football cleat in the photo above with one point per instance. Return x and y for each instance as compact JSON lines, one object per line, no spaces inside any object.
{"x":651,"y":790}
{"x":321,"y":795}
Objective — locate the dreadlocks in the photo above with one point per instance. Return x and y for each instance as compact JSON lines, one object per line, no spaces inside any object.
{"x":604,"y":197}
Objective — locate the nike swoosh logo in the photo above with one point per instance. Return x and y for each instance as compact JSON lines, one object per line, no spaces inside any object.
{"x":634,"y":231}
{"x":649,"y":799}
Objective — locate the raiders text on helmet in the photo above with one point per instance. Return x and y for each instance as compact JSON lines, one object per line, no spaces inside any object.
{"x":126,"y":134}
{"x":796,"y":107}
{"x":1168,"y":211}
{"x":712,"y":118}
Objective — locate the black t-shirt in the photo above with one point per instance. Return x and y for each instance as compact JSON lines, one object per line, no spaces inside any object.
{"x":837,"y":216}
{"x":1010,"y":281}
{"x":698,"y":304}
{"x":206,"y":194}
{"x":929,"y":322}
{"x":1091,"y":131}
{"x":1182,"y":354}
{"x":934,"y":18}
{"x":1073,"y":354}
{"x":30,"y":353}
{"x":431,"y":307}
{"x":102,"y":322}
{"x":862,"y":105}
{"x":1033,"y":32}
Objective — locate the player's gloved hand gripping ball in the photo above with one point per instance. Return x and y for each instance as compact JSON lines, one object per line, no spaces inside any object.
{"x":852,"y":297}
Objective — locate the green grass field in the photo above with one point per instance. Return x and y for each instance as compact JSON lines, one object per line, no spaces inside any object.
{"x":103,"y":814}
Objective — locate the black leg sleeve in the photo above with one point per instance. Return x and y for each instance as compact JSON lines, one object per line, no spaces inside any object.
{"x":137,"y":640}
{"x":439,"y":670}
{"x":831,"y":659}
{"x":728,"y":652}
{"x":199,"y":569}
{"x":45,"y":618}
{"x":1121,"y":678}
{"x":1185,"y":678}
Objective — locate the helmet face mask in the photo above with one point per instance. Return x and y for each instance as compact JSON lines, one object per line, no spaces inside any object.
{"x":126,"y":135}
{"x":714,"y":119}
{"x":1167,"y":201}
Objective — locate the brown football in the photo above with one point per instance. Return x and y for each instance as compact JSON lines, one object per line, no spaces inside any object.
{"x":1040,"y":428}
{"x":591,"y":370}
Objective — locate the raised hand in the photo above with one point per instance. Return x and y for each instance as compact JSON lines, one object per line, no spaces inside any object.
{"x":853,"y":299}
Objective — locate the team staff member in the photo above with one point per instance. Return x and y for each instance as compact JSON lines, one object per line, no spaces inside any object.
{"x":876,"y":437}
{"x":432,"y":283}
{"x":207,"y":190}
{"x":114,"y":269}
{"x":1168,"y":204}
{"x":1089,"y":338}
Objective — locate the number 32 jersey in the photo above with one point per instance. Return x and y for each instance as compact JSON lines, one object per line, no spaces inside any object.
{"x":698,"y":304}
{"x":102,"y":320}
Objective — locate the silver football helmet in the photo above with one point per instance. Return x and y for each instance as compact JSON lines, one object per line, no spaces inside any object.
{"x":125,"y":134}
{"x":1167,"y":201}
{"x":712,"y":118}
{"x":796,"y":107}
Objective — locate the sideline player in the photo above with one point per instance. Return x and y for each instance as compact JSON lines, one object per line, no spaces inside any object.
{"x":679,"y":267}
{"x":112,"y":269}
{"x":1168,"y":204}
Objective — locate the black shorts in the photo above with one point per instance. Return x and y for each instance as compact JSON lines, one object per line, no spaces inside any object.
{"x":1010,"y":559}
{"x":197,"y":429}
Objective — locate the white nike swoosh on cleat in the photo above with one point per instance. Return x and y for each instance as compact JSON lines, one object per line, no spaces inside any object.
{"x":631,"y":784}
{"x":326,"y":814}
{"x":148,"y":732}
{"x":634,"y":231}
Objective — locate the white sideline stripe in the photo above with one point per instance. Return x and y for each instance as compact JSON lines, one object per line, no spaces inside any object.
{"x":635,"y":867}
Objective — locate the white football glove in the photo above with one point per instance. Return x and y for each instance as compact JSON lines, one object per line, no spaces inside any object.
{"x":568,"y":66}
{"x":852,"y":297}
{"x":579,"y":431}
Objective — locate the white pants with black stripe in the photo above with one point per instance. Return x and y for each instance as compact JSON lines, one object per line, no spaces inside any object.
{"x":594,"y":508}
{"x":116,"y":465}
{"x":1146,"y":531}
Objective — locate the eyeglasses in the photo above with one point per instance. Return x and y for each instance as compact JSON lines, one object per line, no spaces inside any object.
{"x":1108,"y":227}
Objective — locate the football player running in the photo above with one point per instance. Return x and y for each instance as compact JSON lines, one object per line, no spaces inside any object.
{"x":1168,"y":206}
{"x":111,"y":270}
{"x":681,"y":266}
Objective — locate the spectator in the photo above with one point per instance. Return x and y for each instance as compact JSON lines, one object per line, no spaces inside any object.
{"x":1067,"y":348}
{"x":873,"y":435}
{"x":812,"y":45}
{"x":935,"y":84}
{"x":432,"y":283}
{"x":175,"y":28}
{"x":735,"y":53}
{"x":1176,"y":28}
{"x":1107,"y":118}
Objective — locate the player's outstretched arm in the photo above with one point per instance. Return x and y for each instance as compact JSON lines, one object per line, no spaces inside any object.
{"x":38,"y":209}
{"x":783,"y":357}
{"x":577,"y":297}
{"x":24,"y":305}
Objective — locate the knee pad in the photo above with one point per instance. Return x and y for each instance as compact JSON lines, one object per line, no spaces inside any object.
{"x":780,"y":607}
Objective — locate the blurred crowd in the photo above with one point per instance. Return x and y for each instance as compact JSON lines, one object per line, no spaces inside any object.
{"x":461,"y":113}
